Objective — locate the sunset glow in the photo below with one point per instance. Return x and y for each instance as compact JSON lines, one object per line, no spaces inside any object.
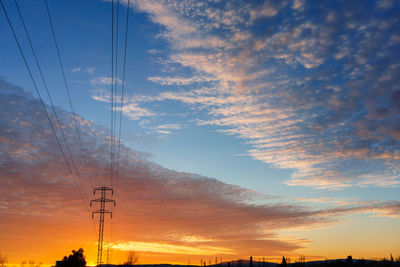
{"x":249,"y":128}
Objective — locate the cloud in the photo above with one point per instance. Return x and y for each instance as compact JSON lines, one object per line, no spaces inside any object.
{"x":167,"y":128}
{"x":266,"y":10}
{"x":298,"y":5}
{"x":134,"y":112}
{"x":308,"y":87}
{"x":157,"y":208}
{"x":170,"y":248}
{"x":179,"y":80}
{"x":384,"y":4}
{"x":173,"y":126}
{"x":90,"y":70}
{"x":130,"y":109}
{"x":104,"y":80}
{"x":153,"y":51}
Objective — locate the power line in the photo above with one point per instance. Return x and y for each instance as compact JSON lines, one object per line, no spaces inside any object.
{"x":41,"y":101}
{"x":115,"y":87}
{"x":45,"y":86}
{"x":112,"y":90}
{"x":67,"y":87}
{"x":122,"y":95}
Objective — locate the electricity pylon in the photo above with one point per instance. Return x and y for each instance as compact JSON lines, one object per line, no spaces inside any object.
{"x":103,"y":200}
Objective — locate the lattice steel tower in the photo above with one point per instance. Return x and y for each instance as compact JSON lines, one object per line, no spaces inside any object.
{"x":103,"y":200}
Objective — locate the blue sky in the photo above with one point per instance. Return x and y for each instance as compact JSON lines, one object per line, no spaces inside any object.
{"x":295,"y":99}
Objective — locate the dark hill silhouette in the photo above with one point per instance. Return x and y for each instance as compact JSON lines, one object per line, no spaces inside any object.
{"x":346,"y":262}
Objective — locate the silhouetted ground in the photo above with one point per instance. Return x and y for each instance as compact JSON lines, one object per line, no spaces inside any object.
{"x":326,"y":263}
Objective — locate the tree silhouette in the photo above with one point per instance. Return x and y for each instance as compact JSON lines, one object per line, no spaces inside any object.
{"x":131,"y":258}
{"x":349,"y":259}
{"x":3,"y":260}
{"x":302,"y":259}
{"x":76,"y":259}
{"x":283,"y":264}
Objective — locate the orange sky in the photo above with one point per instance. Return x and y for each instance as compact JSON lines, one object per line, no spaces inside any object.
{"x":173,"y":217}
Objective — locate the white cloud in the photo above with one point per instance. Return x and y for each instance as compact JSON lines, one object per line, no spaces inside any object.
{"x":173,"y":126}
{"x":104,"y":81}
{"x":298,"y":5}
{"x":264,"y":11}
{"x":134,"y":112}
{"x":180,"y":80}
{"x":384,"y":4}
{"x":167,"y":128}
{"x":90,"y":70}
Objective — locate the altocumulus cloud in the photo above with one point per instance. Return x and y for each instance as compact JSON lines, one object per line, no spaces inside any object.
{"x":158,"y":208}
{"x":310,"y":85}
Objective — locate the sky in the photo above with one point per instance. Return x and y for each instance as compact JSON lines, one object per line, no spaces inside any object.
{"x":249,"y":128}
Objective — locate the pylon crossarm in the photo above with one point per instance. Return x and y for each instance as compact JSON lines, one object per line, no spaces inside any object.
{"x":102,"y":200}
{"x":103,"y":188}
{"x":101,"y":211}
